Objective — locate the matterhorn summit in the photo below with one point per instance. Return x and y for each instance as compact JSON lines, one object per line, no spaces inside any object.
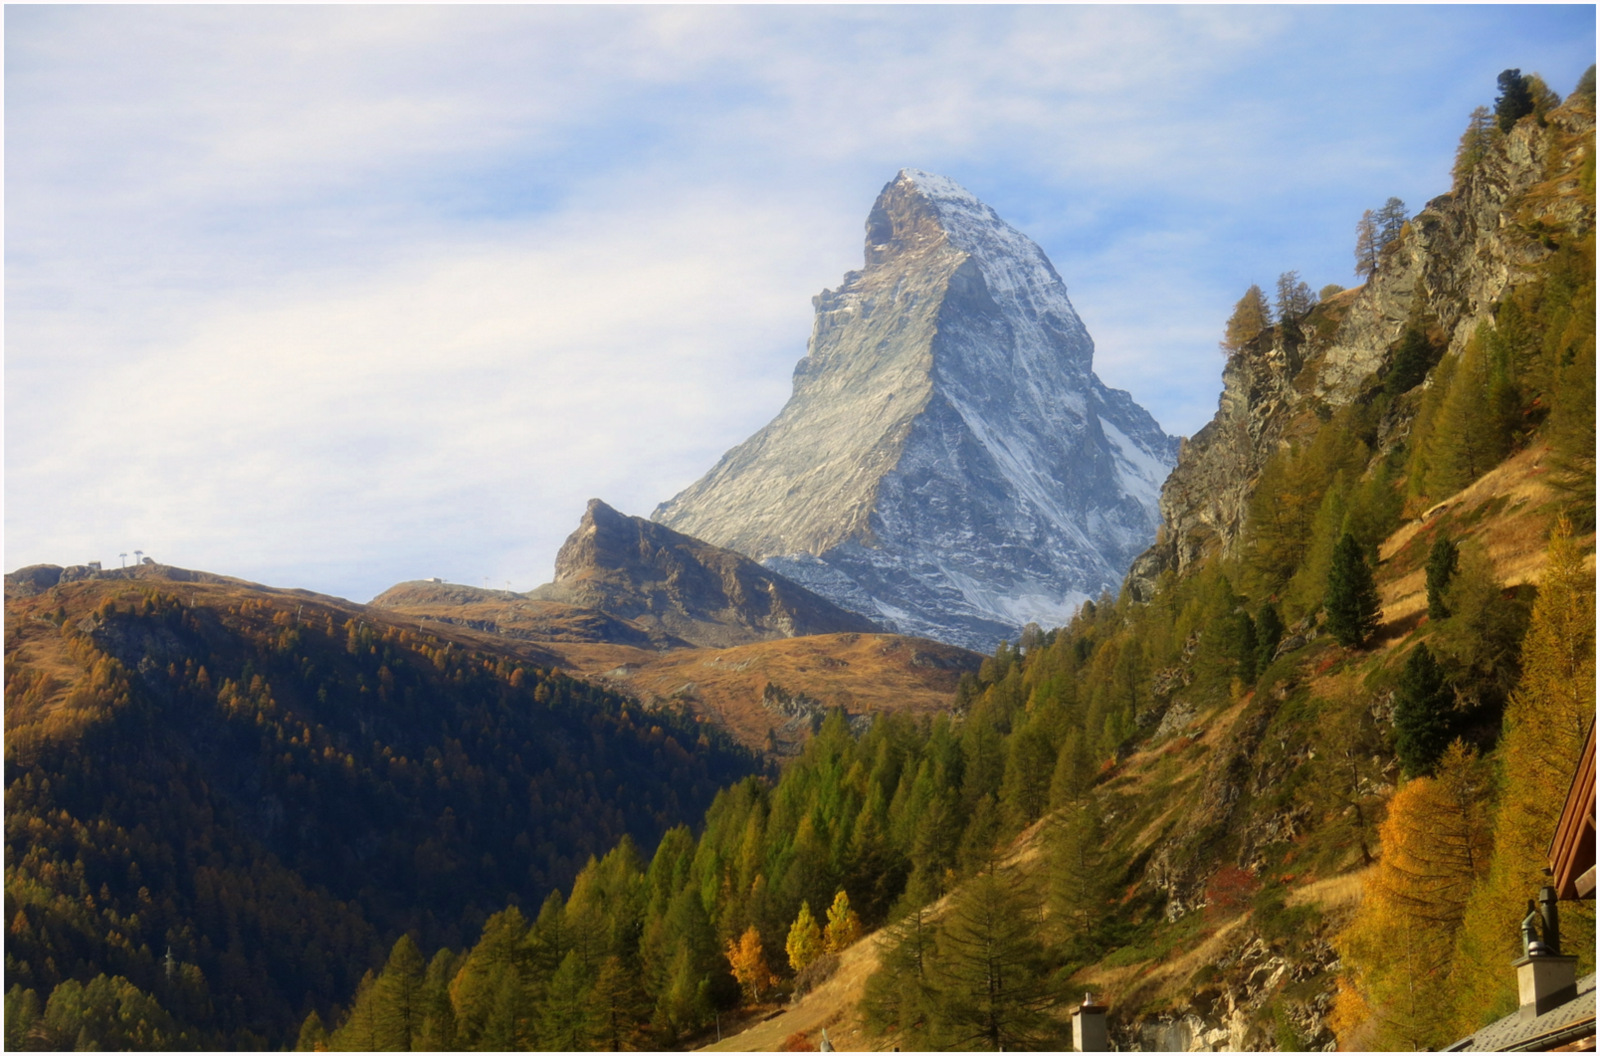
{"x":948,"y":465}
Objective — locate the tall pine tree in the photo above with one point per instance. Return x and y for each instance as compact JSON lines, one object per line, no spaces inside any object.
{"x":1423,"y":719}
{"x":993,"y":983}
{"x":1441,"y":567}
{"x":1351,"y":602}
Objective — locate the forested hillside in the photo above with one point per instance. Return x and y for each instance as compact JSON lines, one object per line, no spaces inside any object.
{"x":1201,"y":800}
{"x":222,"y":804}
{"x":1329,"y":717}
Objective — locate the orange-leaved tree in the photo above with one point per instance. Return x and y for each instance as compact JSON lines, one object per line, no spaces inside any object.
{"x":1398,"y":949}
{"x":749,"y":963}
{"x":1545,"y":725}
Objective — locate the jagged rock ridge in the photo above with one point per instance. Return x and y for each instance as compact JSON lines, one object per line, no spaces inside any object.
{"x":948,"y":462}
{"x":678,"y":587}
{"x":1453,"y":262}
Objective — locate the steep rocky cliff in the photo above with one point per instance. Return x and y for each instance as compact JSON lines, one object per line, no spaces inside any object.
{"x":1448,"y":269}
{"x":948,"y":462}
{"x":682,"y":588}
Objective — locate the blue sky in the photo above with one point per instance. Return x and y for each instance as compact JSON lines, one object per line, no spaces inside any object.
{"x":335,"y":297}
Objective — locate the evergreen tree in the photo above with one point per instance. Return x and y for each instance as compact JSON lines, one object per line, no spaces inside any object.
{"x":1074,"y":771}
{"x":1441,"y":567}
{"x":1367,"y":245}
{"x":618,"y":1006}
{"x":501,"y":956}
{"x":1475,"y":143}
{"x":979,"y":843}
{"x":1390,"y":219}
{"x":24,"y":1013}
{"x":992,"y":980}
{"x":684,"y":1004}
{"x":1251,"y":315}
{"x":438,"y":1018}
{"x":1346,"y":775}
{"x":359,"y":1031}
{"x":1078,"y":877}
{"x":566,"y":1016}
{"x":508,"y":1024}
{"x":1269,"y":632}
{"x":313,"y":1035}
{"x":399,"y":1012}
{"x":1544,"y":97}
{"x":1030,"y":761}
{"x":1412,"y":359}
{"x":1479,"y":642}
{"x":1514,"y":102}
{"x":899,"y":996}
{"x":1423,"y":719}
{"x":1294,"y":298}
{"x":1247,"y":646}
{"x":1585,"y":86}
{"x":1351,"y":602}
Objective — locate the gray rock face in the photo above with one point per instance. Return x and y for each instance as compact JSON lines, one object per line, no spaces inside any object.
{"x":948,"y":463}
{"x":1453,"y":262}
{"x":682,"y":588}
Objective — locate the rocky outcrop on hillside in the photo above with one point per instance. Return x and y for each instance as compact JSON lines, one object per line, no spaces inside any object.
{"x":1237,"y":1005}
{"x":948,"y":462}
{"x":1450,"y":266}
{"x":673,"y":585}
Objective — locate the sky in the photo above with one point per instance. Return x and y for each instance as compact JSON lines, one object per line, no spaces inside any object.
{"x":339,"y":297}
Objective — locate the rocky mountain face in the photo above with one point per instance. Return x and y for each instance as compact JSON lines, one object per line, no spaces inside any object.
{"x":948,"y":463}
{"x":682,"y":590}
{"x":1449,"y":267}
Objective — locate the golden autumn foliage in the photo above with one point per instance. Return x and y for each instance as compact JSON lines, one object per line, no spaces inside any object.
{"x":844,"y":927}
{"x":749,"y":964}
{"x":1251,"y":315}
{"x":1545,"y":725}
{"x":1399,"y":948}
{"x":805,"y":939}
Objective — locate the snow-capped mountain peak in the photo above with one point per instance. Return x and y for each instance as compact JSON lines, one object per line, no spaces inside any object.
{"x":948,"y":463}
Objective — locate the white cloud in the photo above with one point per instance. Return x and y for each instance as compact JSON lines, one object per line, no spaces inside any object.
{"x":529,"y":374}
{"x":337,"y":296}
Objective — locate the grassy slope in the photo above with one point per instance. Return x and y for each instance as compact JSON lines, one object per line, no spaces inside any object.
{"x":1508,"y":511}
{"x":863,"y":673}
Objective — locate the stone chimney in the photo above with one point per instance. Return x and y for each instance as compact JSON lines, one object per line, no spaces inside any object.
{"x":1089,"y":1027}
{"x":1545,"y":980}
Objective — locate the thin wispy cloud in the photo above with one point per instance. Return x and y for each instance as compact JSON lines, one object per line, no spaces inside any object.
{"x":334,"y":297}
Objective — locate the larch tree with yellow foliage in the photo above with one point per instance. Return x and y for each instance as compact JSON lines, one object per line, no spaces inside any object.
{"x":1545,"y":725}
{"x":805,"y":939}
{"x":1398,"y":950}
{"x":844,"y":927}
{"x":1250,"y":316}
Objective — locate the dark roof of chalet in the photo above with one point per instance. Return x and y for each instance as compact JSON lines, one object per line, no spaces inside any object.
{"x":1561,"y":1025}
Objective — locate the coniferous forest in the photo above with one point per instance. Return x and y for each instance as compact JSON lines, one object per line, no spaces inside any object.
{"x":257,"y":820}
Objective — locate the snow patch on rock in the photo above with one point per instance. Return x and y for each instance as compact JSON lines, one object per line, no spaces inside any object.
{"x":948,"y":463}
